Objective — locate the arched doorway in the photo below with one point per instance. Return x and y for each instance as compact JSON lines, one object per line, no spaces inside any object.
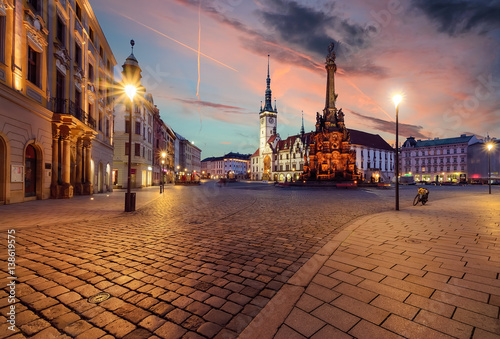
{"x":267,"y":168}
{"x":3,"y":171}
{"x":30,"y":172}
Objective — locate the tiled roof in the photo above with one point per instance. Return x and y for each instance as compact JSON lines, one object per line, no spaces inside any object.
{"x":369,"y":140}
{"x":256,"y":154}
{"x":272,"y":138}
{"x":442,"y":142}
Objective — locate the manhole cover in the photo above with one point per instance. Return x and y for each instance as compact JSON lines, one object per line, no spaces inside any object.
{"x":99,"y":297}
{"x":413,"y":241}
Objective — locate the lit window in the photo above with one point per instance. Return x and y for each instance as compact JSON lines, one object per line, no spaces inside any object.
{"x":33,"y":66}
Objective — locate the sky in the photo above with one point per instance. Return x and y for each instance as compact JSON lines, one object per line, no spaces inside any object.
{"x":205,"y":63}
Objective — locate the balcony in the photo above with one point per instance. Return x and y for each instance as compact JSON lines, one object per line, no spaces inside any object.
{"x":65,"y":106}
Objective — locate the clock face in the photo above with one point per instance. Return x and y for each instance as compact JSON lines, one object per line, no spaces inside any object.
{"x":271,"y":120}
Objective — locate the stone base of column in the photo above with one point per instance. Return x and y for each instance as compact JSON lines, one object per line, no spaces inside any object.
{"x":66,"y":191}
{"x":88,"y":189}
{"x":78,"y":189}
{"x":54,"y":191}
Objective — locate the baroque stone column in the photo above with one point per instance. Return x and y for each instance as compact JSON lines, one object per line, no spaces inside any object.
{"x":67,"y":189}
{"x":79,"y":164}
{"x":88,"y":188}
{"x":55,"y":164}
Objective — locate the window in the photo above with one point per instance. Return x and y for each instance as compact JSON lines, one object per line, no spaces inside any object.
{"x":90,"y":110}
{"x":100,"y":121}
{"x":127,"y":148}
{"x":101,"y":52}
{"x":33,"y":66}
{"x":78,"y":55}
{"x":34,"y":4}
{"x":463,"y":150}
{"x":91,"y":34}
{"x":91,"y":73}
{"x":137,"y":150}
{"x":78,"y":11}
{"x":137,"y":128}
{"x":61,"y":31}
{"x":107,"y":127}
{"x":447,"y":151}
{"x":60,"y":87}
{"x":127,"y":126}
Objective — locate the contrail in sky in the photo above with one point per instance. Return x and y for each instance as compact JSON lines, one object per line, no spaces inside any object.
{"x":199,"y":46}
{"x":177,"y":41}
{"x":366,"y":96}
{"x":199,"y":75}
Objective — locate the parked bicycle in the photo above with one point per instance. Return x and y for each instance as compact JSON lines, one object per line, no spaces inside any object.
{"x":422,"y":196}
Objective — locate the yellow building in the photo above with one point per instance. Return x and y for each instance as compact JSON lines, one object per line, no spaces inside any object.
{"x":56,"y":118}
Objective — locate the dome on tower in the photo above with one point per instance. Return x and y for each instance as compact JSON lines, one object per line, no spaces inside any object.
{"x":131,"y":61}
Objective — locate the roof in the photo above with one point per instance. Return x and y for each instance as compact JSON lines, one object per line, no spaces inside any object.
{"x":272,"y":138}
{"x":369,"y":140}
{"x":257,"y":152}
{"x":230,"y":155}
{"x":463,"y":139}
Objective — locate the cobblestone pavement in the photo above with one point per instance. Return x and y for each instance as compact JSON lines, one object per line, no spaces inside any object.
{"x":427,"y":271}
{"x":195,"y":262}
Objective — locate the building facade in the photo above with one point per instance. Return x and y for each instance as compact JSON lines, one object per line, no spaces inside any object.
{"x":374,"y":156}
{"x":482,"y":162}
{"x":164,"y":143}
{"x":187,"y":156}
{"x":233,"y":165}
{"x":441,"y":160}
{"x":55,"y":108}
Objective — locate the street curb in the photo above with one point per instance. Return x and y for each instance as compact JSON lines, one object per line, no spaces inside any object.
{"x":274,"y":314}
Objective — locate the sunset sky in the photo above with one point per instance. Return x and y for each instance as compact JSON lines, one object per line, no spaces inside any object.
{"x":442,"y":55}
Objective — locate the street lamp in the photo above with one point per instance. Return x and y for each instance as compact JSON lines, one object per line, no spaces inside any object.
{"x":397,"y":99}
{"x":489,"y":146}
{"x":130,"y":90}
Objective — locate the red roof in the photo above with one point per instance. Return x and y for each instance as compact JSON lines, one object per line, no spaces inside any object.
{"x":272,"y":138}
{"x":369,"y":140}
{"x":256,"y":154}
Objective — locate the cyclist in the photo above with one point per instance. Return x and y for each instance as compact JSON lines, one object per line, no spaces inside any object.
{"x":422,"y":195}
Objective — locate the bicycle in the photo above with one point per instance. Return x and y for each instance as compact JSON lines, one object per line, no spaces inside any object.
{"x":422,"y":196}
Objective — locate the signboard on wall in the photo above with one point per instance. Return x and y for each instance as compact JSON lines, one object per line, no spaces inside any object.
{"x":17,"y":173}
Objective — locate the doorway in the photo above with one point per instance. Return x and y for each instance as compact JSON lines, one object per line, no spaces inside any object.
{"x":30,"y":172}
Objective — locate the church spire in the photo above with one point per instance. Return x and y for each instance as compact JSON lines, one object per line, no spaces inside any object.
{"x":302,"y":128}
{"x":268,"y":106}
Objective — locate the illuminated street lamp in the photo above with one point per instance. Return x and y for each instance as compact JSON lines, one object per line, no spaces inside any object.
{"x":130,"y":90}
{"x":489,"y":146}
{"x":397,"y":99}
{"x":162,"y":181}
{"x":131,"y":80}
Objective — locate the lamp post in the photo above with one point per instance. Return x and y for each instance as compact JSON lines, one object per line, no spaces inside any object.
{"x":162,"y":181}
{"x":490,"y":146}
{"x":129,"y":206}
{"x":397,"y":99}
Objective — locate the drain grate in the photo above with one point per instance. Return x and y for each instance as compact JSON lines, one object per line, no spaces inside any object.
{"x":99,"y":297}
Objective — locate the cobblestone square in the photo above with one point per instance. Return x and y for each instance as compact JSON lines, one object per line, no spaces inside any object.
{"x":204,"y":261}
